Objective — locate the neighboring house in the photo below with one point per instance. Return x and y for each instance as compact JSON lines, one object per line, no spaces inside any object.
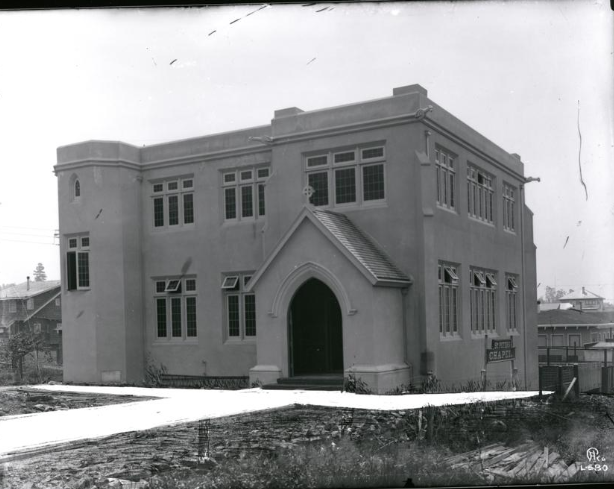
{"x":33,"y":306}
{"x":584,"y":300}
{"x":574,"y":327}
{"x":384,"y":238}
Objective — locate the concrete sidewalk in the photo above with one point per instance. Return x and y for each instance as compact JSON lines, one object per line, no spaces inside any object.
{"x":29,"y":432}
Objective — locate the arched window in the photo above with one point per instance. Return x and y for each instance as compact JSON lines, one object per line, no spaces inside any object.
{"x":74,"y":188}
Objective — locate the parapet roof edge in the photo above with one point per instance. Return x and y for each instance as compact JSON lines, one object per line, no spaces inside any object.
{"x":98,"y":141}
{"x":245,"y":129}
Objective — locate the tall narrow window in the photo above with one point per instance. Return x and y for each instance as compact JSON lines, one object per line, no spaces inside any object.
{"x":483,"y":300}
{"x":188,"y":208}
{"x":240,"y":307}
{"x":77,"y":188}
{"x":319,"y":183}
{"x":448,"y":299}
{"x":480,"y":194}
{"x":77,"y":263}
{"x":261,"y":202}
{"x":190,"y":304}
{"x":511,"y":293}
{"x":373,"y":182}
{"x":247,"y":201}
{"x":159,"y":212}
{"x":176,"y":316}
{"x":230,"y":204}
{"x":509,"y":207}
{"x":233,"y":315}
{"x":445,"y":177}
{"x":345,"y":185}
{"x":173,"y":210}
{"x":161,"y":317}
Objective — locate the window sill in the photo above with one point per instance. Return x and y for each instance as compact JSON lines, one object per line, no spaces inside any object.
{"x":513,"y":332}
{"x":509,"y":231}
{"x":175,"y":342}
{"x":246,"y":220}
{"x":447,"y":209}
{"x":353,"y":206}
{"x":79,"y":290}
{"x":449,"y":337}
{"x":482,"y":221}
{"x":172,"y":229}
{"x":481,"y":336}
{"x":240,"y":341}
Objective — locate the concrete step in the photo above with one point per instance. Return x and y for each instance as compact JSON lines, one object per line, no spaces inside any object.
{"x":303,"y":387}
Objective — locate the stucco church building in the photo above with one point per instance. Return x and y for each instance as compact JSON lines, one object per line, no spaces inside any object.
{"x":384,"y":238}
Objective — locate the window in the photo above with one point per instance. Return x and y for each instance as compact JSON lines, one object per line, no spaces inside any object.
{"x":173,"y":203}
{"x":244,"y":195}
{"x":74,"y":188}
{"x":574,"y":340}
{"x":448,"y":299}
{"x":511,"y":299}
{"x":175,"y":308}
{"x":58,"y":302}
{"x":479,"y":194}
{"x":354,"y":176}
{"x":30,"y":304}
{"x":557,"y":340}
{"x":445,"y":177}
{"x":509,"y":207}
{"x":483,"y":301}
{"x":12,"y":306}
{"x":240,"y":307}
{"x":77,"y":263}
{"x":542,"y":340}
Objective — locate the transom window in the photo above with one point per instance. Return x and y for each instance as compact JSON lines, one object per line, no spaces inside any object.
{"x":175,"y":308}
{"x":509,"y":207}
{"x":479,"y":194}
{"x":240,"y":307}
{"x":243,"y":193}
{"x":483,"y":300}
{"x":77,"y":263}
{"x":173,"y":203}
{"x":346,"y":177}
{"x":448,"y":298}
{"x":446,"y":177}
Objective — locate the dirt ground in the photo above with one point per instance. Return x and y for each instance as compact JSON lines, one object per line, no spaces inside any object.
{"x":149,"y":454}
{"x":24,"y":400}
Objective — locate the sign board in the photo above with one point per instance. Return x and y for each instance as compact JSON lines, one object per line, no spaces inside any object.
{"x":502,"y":350}
{"x":500,"y":355}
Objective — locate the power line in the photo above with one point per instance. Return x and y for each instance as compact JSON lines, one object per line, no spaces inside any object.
{"x":21,"y":241}
{"x":28,"y":227}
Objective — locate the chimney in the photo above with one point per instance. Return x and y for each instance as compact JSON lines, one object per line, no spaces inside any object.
{"x":583,"y":291}
{"x":28,"y":282}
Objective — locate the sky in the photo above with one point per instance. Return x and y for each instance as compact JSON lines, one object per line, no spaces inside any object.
{"x":524,"y":74}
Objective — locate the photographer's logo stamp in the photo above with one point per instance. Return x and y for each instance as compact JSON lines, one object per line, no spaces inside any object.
{"x":595,"y":461}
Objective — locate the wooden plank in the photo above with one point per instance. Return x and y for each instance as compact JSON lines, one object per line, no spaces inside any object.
{"x":524,"y":467}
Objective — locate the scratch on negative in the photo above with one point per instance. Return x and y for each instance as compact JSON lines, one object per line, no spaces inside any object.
{"x":98,"y":215}
{"x":212,"y":32}
{"x":311,"y":61}
{"x":566,"y":242}
{"x":580,"y":153}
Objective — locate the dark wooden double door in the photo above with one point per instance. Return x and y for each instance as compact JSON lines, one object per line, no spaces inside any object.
{"x":315,"y":331}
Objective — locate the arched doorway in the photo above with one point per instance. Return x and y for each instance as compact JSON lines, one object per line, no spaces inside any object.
{"x":315,"y":331}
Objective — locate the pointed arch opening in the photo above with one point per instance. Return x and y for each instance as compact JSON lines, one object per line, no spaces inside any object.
{"x":315,"y":331}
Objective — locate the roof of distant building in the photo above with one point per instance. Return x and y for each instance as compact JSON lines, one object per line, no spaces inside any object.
{"x":582,"y":294}
{"x":25,"y":291}
{"x":549,"y":306}
{"x":567,"y":317}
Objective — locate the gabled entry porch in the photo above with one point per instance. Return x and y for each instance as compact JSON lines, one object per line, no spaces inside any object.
{"x":329,"y":303}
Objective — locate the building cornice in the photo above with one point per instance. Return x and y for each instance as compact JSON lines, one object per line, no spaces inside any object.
{"x":184,"y":160}
{"x":470,"y":147}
